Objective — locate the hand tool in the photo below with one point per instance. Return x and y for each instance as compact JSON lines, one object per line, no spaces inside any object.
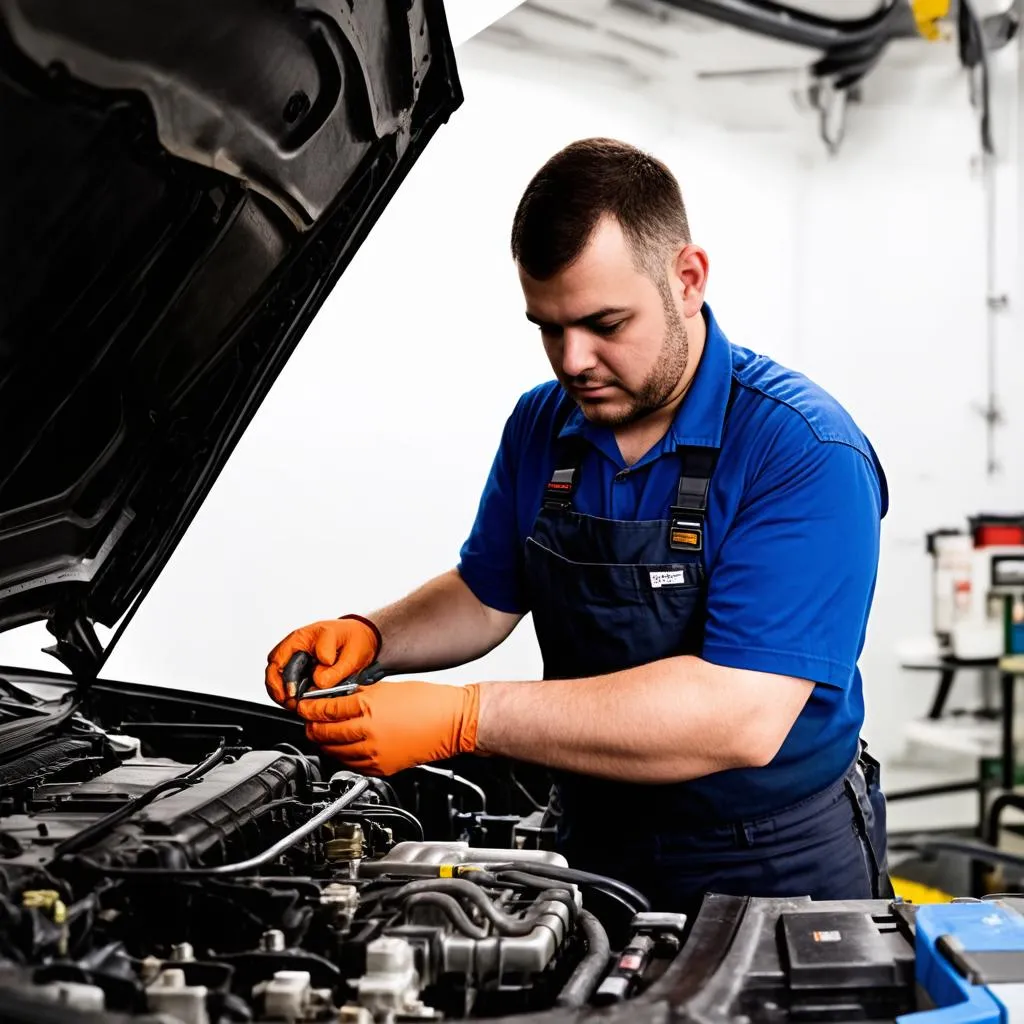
{"x":299,"y":670}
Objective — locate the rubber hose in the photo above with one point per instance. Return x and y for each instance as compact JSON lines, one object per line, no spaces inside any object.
{"x":542,"y":887}
{"x":451,"y":909}
{"x":458,"y":887}
{"x":398,"y":812}
{"x":587,"y":976}
{"x":560,"y":874}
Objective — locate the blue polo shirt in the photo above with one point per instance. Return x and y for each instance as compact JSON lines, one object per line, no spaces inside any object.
{"x":791,"y":538}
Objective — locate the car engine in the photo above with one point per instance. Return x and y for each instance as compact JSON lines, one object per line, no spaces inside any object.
{"x":177,"y":873}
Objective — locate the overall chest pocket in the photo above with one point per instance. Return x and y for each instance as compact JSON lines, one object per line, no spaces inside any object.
{"x":597,"y":617}
{"x":639,"y":583}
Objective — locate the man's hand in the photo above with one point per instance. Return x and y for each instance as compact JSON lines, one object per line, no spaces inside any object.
{"x":384,"y":728}
{"x":341,"y":646}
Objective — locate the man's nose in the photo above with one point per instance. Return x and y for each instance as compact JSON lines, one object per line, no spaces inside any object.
{"x":577,"y":353}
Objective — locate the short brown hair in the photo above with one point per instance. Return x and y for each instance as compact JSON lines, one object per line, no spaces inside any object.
{"x":589,"y":179}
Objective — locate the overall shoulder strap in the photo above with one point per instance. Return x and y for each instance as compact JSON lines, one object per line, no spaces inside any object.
{"x":686,"y":530}
{"x":687,"y":515}
{"x":559,"y":490}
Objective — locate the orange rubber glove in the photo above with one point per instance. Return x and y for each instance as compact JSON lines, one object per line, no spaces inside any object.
{"x":342,"y":647}
{"x":384,"y":728}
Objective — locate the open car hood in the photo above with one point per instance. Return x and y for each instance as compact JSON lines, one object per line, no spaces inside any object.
{"x":181,"y":185}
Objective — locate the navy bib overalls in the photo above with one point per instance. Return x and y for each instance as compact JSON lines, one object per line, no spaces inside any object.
{"x":608,"y":595}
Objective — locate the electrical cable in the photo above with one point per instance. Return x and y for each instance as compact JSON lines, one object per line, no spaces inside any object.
{"x":99,"y":828}
{"x":397,"y":826}
{"x":537,"y":806}
{"x":396,"y":812}
{"x":452,"y":777}
{"x":274,"y":805}
{"x":384,"y":790}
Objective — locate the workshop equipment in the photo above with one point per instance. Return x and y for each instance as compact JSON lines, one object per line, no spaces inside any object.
{"x":1013,"y":623}
{"x":299,"y":670}
{"x":951,"y":580}
{"x":978,"y":587}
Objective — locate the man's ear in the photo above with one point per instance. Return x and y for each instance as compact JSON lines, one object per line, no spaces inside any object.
{"x":690,"y":272}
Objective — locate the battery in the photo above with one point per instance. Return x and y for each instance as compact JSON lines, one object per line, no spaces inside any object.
{"x":839,"y":951}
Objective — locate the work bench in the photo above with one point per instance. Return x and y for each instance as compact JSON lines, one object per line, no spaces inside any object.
{"x":986,"y":734}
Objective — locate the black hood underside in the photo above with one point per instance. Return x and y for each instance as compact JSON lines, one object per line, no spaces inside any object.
{"x":182,"y":182}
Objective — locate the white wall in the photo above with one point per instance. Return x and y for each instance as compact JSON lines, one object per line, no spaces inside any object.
{"x":892,"y":308}
{"x":468,"y":17}
{"x":864,"y":271}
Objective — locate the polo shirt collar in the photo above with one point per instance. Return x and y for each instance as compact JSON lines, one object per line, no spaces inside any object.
{"x":700,"y":416}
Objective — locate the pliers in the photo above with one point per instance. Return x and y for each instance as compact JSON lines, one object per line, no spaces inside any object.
{"x":299,"y":670}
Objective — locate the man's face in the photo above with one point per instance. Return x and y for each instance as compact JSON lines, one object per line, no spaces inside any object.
{"x":616,"y":342}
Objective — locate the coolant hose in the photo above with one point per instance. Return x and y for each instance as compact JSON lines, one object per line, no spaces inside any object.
{"x":561,"y":894}
{"x":585,"y":979}
{"x":450,"y":907}
{"x":503,"y":923}
{"x":633,"y":897}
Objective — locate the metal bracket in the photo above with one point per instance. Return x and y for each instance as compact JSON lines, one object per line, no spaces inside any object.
{"x":831,"y":104}
{"x":78,"y":647}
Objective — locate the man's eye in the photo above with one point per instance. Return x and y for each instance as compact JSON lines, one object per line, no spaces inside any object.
{"x":606,"y":330}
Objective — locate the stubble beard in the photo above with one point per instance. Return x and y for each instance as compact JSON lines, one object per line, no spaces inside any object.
{"x":661,"y":382}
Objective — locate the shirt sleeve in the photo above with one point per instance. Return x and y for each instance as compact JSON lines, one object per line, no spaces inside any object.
{"x":491,"y":559}
{"x":794,"y":578}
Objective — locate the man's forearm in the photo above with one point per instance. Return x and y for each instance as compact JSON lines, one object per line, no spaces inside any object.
{"x":440,"y":625}
{"x":668,"y":721}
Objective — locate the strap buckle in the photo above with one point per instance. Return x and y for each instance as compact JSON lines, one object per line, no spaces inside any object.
{"x":686,"y":529}
{"x":686,"y":516}
{"x":559,"y":489}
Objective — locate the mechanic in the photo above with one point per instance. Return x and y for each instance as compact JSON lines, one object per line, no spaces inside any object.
{"x":695,"y":530}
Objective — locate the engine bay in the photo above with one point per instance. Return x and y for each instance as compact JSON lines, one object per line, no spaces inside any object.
{"x":170,"y":857}
{"x":180,"y":871}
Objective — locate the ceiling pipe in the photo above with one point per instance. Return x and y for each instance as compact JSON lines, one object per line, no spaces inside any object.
{"x":852,"y":47}
{"x":893,"y":20}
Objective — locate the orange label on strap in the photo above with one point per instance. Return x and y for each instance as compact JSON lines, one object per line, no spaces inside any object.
{"x":687,"y":537}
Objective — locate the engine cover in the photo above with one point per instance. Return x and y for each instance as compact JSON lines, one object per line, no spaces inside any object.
{"x":177,"y":829}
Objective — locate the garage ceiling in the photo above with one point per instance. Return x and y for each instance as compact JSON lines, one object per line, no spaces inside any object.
{"x":734,"y":78}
